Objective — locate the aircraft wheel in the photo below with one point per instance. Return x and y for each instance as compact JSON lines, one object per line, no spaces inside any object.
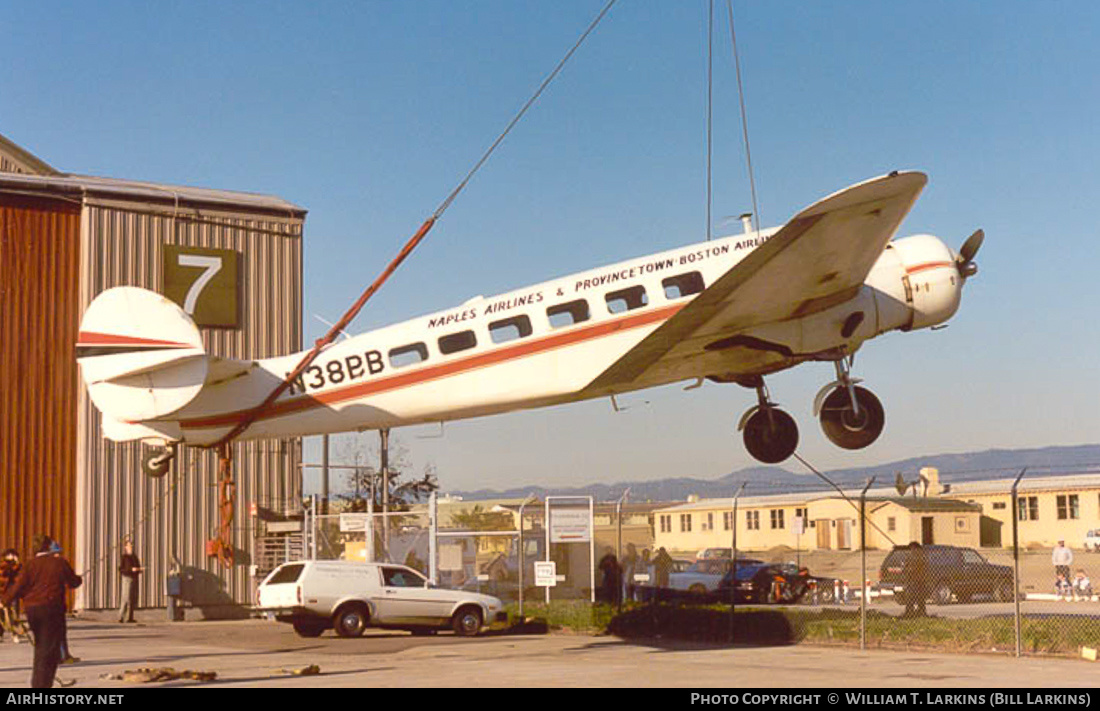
{"x":771,"y":439}
{"x":843,"y":427}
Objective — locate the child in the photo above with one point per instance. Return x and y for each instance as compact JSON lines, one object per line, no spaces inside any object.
{"x":9,"y":616}
{"x":1082,"y":586}
{"x":1062,"y":587}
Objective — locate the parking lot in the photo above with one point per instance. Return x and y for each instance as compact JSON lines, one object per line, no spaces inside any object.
{"x":256,"y":653}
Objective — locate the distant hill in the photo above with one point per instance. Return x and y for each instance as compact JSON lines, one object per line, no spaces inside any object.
{"x":990,"y":464}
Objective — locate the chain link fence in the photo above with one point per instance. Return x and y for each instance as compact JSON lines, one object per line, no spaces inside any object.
{"x":975,"y":567}
{"x":1002,"y":566}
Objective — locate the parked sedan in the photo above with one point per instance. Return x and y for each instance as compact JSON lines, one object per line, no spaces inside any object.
{"x":704,"y":575}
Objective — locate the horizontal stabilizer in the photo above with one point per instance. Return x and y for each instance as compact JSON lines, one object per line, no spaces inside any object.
{"x":140,"y":354}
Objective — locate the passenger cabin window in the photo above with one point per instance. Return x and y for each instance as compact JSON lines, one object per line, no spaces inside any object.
{"x":456,"y":342}
{"x":568,"y":314}
{"x":408,"y":355}
{"x":510,"y":329}
{"x":626,"y":299}
{"x":677,"y":287}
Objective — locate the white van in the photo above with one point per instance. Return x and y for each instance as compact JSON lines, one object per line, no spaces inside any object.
{"x":314,"y":595}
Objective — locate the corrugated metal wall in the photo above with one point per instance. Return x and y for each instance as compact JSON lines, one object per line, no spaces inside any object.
{"x":39,"y":315}
{"x":176,"y":514}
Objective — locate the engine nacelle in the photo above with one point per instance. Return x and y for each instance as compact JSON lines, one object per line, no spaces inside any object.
{"x":917,"y":284}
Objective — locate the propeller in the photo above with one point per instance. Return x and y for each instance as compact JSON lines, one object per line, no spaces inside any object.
{"x":965,"y":261}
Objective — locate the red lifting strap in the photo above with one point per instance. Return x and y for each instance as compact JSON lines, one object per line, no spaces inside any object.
{"x":329,"y":337}
{"x":222,"y":546}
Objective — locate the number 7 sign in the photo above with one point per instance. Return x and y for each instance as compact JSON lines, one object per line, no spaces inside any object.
{"x":204,"y":282}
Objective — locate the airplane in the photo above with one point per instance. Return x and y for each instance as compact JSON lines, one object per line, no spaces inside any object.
{"x":729,"y":310}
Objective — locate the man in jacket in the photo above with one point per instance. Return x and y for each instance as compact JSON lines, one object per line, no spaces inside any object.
{"x":41,"y":586}
{"x":130,"y":568}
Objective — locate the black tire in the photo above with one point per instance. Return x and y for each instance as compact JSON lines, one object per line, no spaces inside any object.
{"x":1005,"y":592}
{"x":771,"y":435}
{"x":467,"y":621}
{"x":309,"y":628}
{"x":351,"y":620}
{"x":698,"y":590}
{"x":846,"y":430}
{"x":155,"y":470}
{"x":941,"y":594}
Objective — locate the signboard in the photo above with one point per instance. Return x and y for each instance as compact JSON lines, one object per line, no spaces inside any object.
{"x":570,"y":525}
{"x":203,"y":281}
{"x":546,"y":574}
{"x":353,"y":522}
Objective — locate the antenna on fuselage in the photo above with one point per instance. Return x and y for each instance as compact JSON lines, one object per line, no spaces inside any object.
{"x":342,"y":332}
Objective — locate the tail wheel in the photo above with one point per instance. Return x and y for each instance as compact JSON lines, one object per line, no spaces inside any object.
{"x":155,"y":462}
{"x":844,"y":427}
{"x":771,"y":435}
{"x":467,"y":622}
{"x":1005,"y":592}
{"x":351,"y":621}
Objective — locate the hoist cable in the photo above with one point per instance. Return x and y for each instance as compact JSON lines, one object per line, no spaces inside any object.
{"x":710,"y":107}
{"x":415,"y":240}
{"x":744,"y":115}
{"x":546,"y":82}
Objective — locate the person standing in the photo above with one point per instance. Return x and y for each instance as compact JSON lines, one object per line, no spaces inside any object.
{"x":66,"y":656}
{"x":915,"y":575}
{"x":130,"y":567}
{"x":1062,"y":558}
{"x":41,"y":586}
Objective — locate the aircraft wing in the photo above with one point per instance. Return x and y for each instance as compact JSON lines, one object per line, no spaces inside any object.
{"x":817,"y":260}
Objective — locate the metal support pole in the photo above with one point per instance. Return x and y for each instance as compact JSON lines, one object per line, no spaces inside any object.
{"x":433,"y":535}
{"x":519,"y":556}
{"x":863,"y":564}
{"x":385,"y":465}
{"x":619,"y":521}
{"x":324,"y":474}
{"x":1016,"y":558}
{"x":733,"y":558}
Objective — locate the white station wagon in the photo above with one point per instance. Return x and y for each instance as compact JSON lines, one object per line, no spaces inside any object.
{"x":314,"y":595}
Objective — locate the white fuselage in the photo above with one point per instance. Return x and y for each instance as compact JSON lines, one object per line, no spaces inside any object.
{"x":546,"y":343}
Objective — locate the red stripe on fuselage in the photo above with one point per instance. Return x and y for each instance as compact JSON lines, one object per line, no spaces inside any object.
{"x":86,"y":338}
{"x":443,"y":370}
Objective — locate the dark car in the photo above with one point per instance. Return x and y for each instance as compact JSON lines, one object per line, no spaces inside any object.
{"x":952,"y":572}
{"x":764,"y":583}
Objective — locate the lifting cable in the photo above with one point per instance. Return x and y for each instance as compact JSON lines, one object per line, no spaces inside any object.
{"x":744,"y":115}
{"x":222,"y":546}
{"x":843,"y":495}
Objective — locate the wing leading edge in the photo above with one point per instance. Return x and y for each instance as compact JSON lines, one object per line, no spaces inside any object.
{"x":817,"y":260}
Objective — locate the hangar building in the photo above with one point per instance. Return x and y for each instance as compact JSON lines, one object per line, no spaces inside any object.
{"x":64,"y":239}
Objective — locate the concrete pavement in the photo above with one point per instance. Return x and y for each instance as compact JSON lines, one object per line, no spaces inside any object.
{"x":256,"y":653}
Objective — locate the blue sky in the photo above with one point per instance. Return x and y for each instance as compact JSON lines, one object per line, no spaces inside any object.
{"x":369,"y":113}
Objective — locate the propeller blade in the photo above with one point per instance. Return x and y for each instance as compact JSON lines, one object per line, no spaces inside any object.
{"x":967,"y":253}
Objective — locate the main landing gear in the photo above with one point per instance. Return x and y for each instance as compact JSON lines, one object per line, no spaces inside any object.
{"x":851,"y":417}
{"x":770,"y":434}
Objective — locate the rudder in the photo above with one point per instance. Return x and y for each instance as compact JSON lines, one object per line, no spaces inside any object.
{"x":140,"y":355}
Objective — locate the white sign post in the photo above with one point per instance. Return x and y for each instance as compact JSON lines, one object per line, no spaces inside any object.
{"x":546,"y":574}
